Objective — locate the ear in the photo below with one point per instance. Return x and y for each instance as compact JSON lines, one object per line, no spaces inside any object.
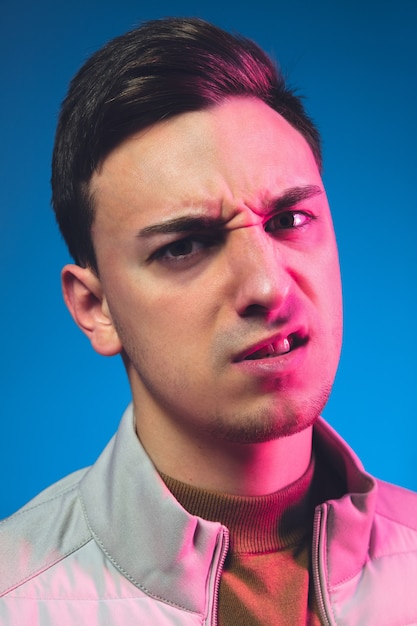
{"x":83,"y":295}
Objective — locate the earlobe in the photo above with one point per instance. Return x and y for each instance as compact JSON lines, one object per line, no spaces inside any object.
{"x":83,"y":295}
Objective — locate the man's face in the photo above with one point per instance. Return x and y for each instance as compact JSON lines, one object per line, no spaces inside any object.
{"x":219,"y":268}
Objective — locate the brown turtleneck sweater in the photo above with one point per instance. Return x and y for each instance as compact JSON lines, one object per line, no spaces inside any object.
{"x":266,"y":577}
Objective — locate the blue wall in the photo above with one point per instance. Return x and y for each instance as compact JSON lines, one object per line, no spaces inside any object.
{"x":355,"y":61}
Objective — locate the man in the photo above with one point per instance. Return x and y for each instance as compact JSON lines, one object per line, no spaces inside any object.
{"x":186,"y":182}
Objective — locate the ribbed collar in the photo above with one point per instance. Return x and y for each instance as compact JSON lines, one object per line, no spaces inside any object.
{"x":257,"y":524}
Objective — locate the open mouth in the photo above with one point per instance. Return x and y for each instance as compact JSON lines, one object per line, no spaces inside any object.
{"x":276,"y":348}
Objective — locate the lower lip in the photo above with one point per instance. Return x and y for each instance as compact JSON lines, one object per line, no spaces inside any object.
{"x":282,"y":365}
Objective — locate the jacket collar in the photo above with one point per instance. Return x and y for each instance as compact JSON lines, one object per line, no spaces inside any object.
{"x":142,"y":529}
{"x":168,"y":553}
{"x":348,"y":519}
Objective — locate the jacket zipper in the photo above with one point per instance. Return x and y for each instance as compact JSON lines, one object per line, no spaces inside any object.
{"x":316,"y":565}
{"x":224,"y":546}
{"x":224,"y":539}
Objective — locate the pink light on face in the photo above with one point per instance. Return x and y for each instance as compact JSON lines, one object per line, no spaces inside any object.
{"x":192,"y":275}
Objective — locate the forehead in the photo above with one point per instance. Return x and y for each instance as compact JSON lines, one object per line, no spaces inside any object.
{"x":238,"y":153}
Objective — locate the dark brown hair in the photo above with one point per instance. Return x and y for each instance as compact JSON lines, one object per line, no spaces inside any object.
{"x":158,"y":70}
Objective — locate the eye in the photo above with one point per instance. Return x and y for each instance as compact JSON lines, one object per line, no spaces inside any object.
{"x":183,"y":249}
{"x":287,"y":220}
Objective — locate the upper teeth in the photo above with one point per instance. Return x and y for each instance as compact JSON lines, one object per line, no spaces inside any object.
{"x":273,"y":349}
{"x":282,"y":347}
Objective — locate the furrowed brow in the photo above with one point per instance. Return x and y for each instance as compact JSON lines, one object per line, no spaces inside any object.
{"x":185,"y":224}
{"x":190,"y":224}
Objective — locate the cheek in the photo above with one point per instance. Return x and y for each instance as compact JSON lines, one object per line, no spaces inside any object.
{"x":162,"y":322}
{"x":328,"y":299}
{"x":336,"y":295}
{"x":193,"y":305}
{"x":334,"y":313}
{"x":329,"y":276}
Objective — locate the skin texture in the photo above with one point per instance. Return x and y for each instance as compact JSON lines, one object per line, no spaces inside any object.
{"x":186,"y":304}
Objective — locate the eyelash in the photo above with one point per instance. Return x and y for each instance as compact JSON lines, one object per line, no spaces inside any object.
{"x":205,"y":241}
{"x":305,"y":217}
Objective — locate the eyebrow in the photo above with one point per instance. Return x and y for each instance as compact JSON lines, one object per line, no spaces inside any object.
{"x":187,"y":223}
{"x":295,"y":195}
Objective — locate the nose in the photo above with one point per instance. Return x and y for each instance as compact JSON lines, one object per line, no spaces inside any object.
{"x":262,"y":277}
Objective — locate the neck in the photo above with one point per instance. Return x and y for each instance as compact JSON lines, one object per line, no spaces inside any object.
{"x":260,"y":524}
{"x":217,"y":465}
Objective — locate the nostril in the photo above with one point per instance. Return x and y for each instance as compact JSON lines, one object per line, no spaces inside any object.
{"x":256,"y":310}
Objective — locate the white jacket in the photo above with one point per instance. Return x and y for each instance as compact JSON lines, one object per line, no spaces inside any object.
{"x":110,"y":546}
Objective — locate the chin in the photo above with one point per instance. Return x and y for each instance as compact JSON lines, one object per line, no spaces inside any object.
{"x":266,"y":425}
{"x":280,"y":418}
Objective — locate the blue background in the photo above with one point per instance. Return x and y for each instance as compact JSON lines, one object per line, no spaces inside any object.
{"x":355,"y":61}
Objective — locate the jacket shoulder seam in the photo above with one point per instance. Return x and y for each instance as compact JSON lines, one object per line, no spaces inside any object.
{"x":369,"y":560}
{"x":46,"y":566}
{"x":395,"y":520}
{"x":29,"y":508}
